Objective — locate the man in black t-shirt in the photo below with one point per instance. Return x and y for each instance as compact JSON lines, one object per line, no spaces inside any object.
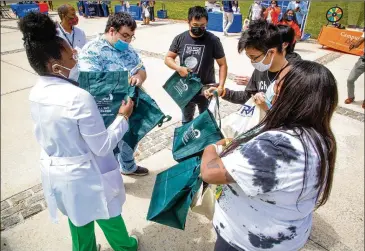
{"x":263,"y":45}
{"x":197,"y":50}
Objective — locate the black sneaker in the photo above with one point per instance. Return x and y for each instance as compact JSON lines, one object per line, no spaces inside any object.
{"x":141,"y":171}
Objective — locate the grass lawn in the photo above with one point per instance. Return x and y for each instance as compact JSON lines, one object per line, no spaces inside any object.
{"x":353,"y":11}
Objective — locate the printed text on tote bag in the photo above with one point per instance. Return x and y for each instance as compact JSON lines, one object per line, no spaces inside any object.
{"x":190,"y":134}
{"x":181,"y":87}
{"x":105,"y":105}
{"x":247,"y":111}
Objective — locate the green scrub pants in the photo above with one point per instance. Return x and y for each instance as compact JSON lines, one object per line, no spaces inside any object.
{"x":83,"y":238}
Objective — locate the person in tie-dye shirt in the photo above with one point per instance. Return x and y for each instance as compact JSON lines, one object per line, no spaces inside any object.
{"x":112,"y":52}
{"x":274,"y":176}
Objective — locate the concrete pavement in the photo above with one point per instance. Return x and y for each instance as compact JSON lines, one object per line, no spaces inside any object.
{"x":338,"y":225}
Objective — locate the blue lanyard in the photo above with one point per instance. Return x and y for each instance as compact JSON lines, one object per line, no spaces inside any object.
{"x":65,"y":35}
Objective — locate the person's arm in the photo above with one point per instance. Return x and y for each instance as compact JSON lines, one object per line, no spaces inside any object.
{"x":212,"y":168}
{"x":260,"y":166}
{"x":99,"y":139}
{"x":241,"y":97}
{"x":172,"y":55}
{"x":138,"y":73}
{"x":223,"y":69}
{"x":170,"y":60}
{"x":236,"y":97}
{"x":138,"y":78}
{"x":220,"y":57}
{"x":171,"y":63}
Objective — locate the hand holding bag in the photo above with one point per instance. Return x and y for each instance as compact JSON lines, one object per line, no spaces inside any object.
{"x":182,"y":90}
{"x":109,"y":89}
{"x":243,"y":120}
{"x":192,"y":138}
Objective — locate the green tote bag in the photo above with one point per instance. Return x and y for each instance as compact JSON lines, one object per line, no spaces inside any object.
{"x":182,"y":90}
{"x":173,"y":192}
{"x":192,"y":138}
{"x":109,"y":89}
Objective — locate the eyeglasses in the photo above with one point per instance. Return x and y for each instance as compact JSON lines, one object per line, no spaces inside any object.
{"x":127,"y":36}
{"x":255,"y":58}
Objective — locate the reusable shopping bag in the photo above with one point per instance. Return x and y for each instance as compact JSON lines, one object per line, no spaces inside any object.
{"x":204,"y":201}
{"x":173,"y":192}
{"x":192,"y":138}
{"x":243,"y":120}
{"x":109,"y":89}
{"x":182,"y":90}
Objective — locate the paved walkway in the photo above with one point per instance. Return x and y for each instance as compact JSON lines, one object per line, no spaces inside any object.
{"x":338,"y":225}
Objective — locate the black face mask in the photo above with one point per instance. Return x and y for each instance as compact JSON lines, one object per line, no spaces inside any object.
{"x":198,"y":31}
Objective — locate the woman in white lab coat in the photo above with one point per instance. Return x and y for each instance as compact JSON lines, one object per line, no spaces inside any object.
{"x":80,"y":174}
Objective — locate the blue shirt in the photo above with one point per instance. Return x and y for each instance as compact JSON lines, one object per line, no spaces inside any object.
{"x":303,"y":10}
{"x":227,"y":6}
{"x":99,"y":55}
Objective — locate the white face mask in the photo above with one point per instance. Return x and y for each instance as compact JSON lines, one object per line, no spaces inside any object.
{"x":73,"y":73}
{"x":260,"y":66}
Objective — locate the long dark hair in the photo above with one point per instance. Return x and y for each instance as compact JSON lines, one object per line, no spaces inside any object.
{"x":285,"y":17}
{"x":307,"y":100}
{"x":287,"y":36}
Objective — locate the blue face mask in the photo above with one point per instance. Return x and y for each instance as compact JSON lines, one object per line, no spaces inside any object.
{"x":121,"y":45}
{"x":290,"y":18}
{"x":269,"y":95}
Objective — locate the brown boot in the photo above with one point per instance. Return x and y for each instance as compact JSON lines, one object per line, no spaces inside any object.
{"x":349,"y":100}
{"x":363,"y":104}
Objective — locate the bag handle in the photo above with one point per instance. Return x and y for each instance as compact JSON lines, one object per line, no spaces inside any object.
{"x":133,"y":93}
{"x":193,"y":76}
{"x":166,"y":118}
{"x":217,"y":110}
{"x":163,"y":6}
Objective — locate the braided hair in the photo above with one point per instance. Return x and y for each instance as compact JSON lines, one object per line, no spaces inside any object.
{"x":40,"y":41}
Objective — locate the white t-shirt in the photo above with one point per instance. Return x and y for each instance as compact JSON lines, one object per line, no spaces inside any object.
{"x":261,"y":210}
{"x":76,"y":39}
{"x":256,"y":11}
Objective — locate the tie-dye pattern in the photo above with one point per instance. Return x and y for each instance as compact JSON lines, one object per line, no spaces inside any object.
{"x":100,"y":56}
{"x":261,"y":211}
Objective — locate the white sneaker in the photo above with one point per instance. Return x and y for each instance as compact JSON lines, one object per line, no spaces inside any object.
{"x":225,"y":33}
{"x":135,"y":237}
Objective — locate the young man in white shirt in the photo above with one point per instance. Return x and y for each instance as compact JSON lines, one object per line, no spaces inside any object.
{"x":74,"y":36}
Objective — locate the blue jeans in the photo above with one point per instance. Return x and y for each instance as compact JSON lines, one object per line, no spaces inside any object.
{"x":125,"y":158}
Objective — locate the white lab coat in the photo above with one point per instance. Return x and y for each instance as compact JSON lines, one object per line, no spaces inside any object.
{"x":80,"y":175}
